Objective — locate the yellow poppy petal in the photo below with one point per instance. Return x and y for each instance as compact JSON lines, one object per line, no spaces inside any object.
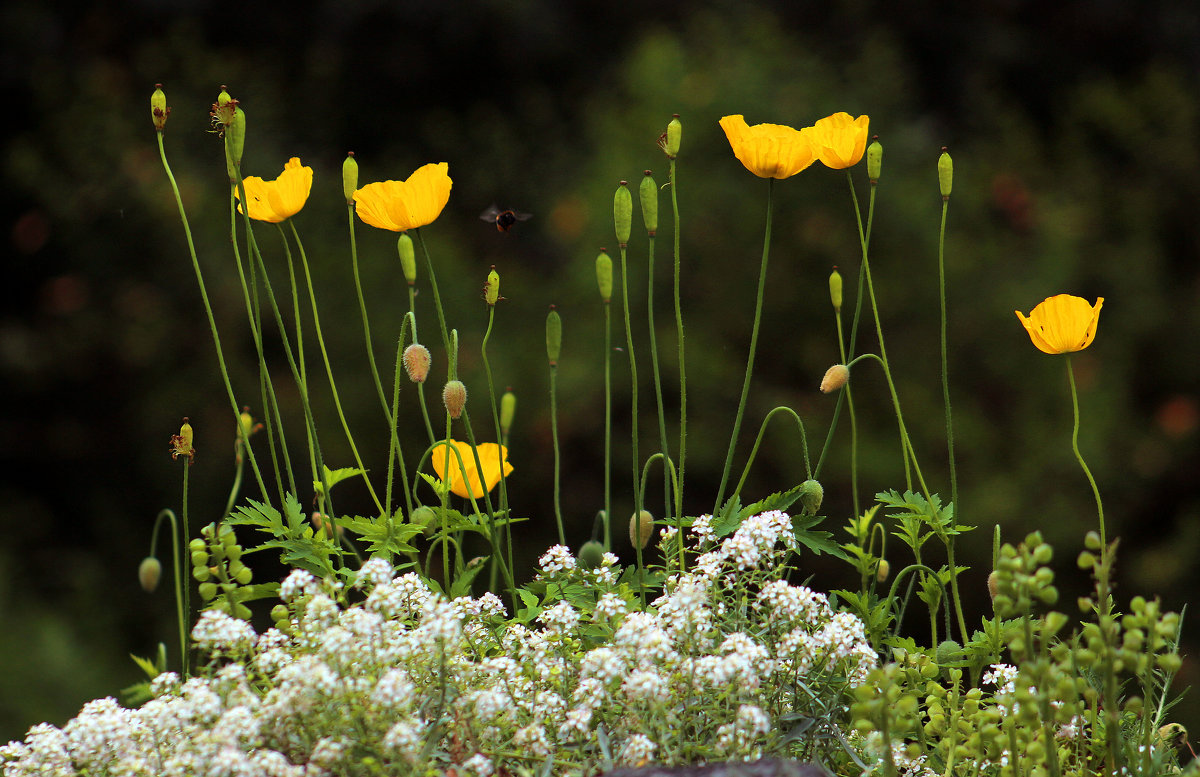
{"x":841,"y":139}
{"x":258,"y":205}
{"x":490,"y":455}
{"x":403,"y":205}
{"x":370,"y":203}
{"x":769,"y":150}
{"x":1063,"y":323}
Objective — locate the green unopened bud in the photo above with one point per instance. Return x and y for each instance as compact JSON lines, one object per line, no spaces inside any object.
{"x":945,"y":173}
{"x":149,"y":572}
{"x":408,"y":258}
{"x":508,"y":408}
{"x":591,"y":555}
{"x":158,"y":108}
{"x":491,"y":289}
{"x":882,"y":571}
{"x":454,"y":397}
{"x":835,"y":377}
{"x":426,"y":518}
{"x":874,"y":159}
{"x":553,"y":336}
{"x":641,"y":528}
{"x":671,"y":138}
{"x":623,"y":213}
{"x":604,"y":275}
{"x":811,"y":496}
{"x":835,"y":289}
{"x":948,"y":651}
{"x":349,"y":177}
{"x":648,"y":194}
{"x":416,"y":360}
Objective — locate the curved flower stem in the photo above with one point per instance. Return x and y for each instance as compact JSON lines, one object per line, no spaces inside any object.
{"x":239,"y":466}
{"x":679,"y":338}
{"x":395,"y":454}
{"x":337,"y":402}
{"x":180,"y":607}
{"x":607,"y":425}
{"x":758,"y":441}
{"x":762,"y":279}
{"x":362,"y":309}
{"x":412,"y":316}
{"x":1079,"y":456}
{"x":662,"y":421}
{"x":844,"y":395}
{"x":504,"y":537}
{"x":493,"y":534}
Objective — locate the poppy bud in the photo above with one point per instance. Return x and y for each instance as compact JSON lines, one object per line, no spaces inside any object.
{"x":425,"y":517}
{"x":508,"y":407}
{"x":641,"y":528}
{"x":811,"y":496}
{"x":881,"y":571}
{"x":408,"y":258}
{"x":993,"y":584}
{"x":835,"y":377}
{"x":158,"y":108}
{"x":454,"y":397}
{"x":149,"y":572}
{"x":604,"y":275}
{"x":416,"y":360}
{"x":874,"y":159}
{"x":648,"y":194}
{"x":235,"y":141}
{"x":591,"y":555}
{"x":623,"y":213}
{"x":947,"y":651}
{"x":553,"y":336}
{"x":835,"y":290}
{"x":674,"y":133}
{"x":945,"y":174}
{"x":349,"y":177}
{"x":491,"y":292}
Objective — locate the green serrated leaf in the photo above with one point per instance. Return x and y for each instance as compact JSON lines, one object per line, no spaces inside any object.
{"x":335,"y":476}
{"x":146,"y":665}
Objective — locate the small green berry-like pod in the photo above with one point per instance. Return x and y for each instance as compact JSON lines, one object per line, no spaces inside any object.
{"x":349,"y":177}
{"x":945,"y":174}
{"x":408,"y":258}
{"x":672,"y":137}
{"x":623,"y":213}
{"x":604,"y":276}
{"x":835,"y":289}
{"x":648,"y":196}
{"x":874,"y":159}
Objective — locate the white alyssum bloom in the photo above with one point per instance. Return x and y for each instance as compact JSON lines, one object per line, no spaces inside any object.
{"x":556,"y":560}
{"x":220,"y":633}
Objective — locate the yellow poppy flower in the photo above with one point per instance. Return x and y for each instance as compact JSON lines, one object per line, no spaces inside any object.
{"x":840,"y":140}
{"x":490,"y":456}
{"x":277,"y":200}
{"x":403,"y":205}
{"x":769,"y":150}
{"x":1062,"y":324}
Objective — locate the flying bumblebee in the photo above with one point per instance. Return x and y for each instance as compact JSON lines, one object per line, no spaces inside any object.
{"x":503,"y":219}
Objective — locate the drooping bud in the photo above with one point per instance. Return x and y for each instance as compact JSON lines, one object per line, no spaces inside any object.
{"x":158,"y":108}
{"x":835,"y":289}
{"x":491,"y":289}
{"x":591,"y":554}
{"x":641,"y":528}
{"x":417,"y":361}
{"x":553,"y":336}
{"x":835,"y":377}
{"x":874,"y":159}
{"x":181,"y":444}
{"x":454,"y":397}
{"x":508,"y":408}
{"x":349,"y":177}
{"x":674,"y":135}
{"x":149,"y":573}
{"x":811,"y":496}
{"x":426,"y":518}
{"x":648,"y":194}
{"x":604,"y":275}
{"x":623,"y":213}
{"x":881,"y":571}
{"x":408,"y":258}
{"x":945,"y":174}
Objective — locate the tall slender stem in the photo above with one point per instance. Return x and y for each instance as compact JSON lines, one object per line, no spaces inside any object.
{"x":1079,"y":456}
{"x":658,"y":394}
{"x":679,"y":339}
{"x":633,"y":380}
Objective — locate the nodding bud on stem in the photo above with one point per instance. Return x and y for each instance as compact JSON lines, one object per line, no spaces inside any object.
{"x":641,"y":528}
{"x":508,"y":408}
{"x":835,"y":289}
{"x":623,"y":213}
{"x":417,"y":361}
{"x":945,"y":173}
{"x":874,"y":159}
{"x":158,"y":108}
{"x":454,"y":397}
{"x":835,"y":377}
{"x":349,"y":177}
{"x":591,"y":554}
{"x":604,"y":275}
{"x":648,"y":194}
{"x":993,"y":584}
{"x":491,"y":290}
{"x":811,"y":496}
{"x":553,"y":336}
{"x":882,"y":571}
{"x":408,"y":258}
{"x":149,"y":572}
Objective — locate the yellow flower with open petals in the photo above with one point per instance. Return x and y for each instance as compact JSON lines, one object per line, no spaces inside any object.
{"x":490,"y":456}
{"x":1063,"y":323}
{"x":840,"y":140}
{"x":404,"y":205}
{"x":770,"y":150}
{"x":277,"y":200}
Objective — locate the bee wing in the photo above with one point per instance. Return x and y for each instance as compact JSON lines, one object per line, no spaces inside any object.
{"x":519,"y":216}
{"x":490,"y":214}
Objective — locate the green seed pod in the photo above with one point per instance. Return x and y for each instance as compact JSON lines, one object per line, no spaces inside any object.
{"x":811,"y":495}
{"x":417,"y":361}
{"x":149,"y":573}
{"x":648,"y":194}
{"x":491,"y":291}
{"x":623,"y":213}
{"x":835,"y":289}
{"x":235,"y":568}
{"x":674,"y":135}
{"x":591,"y":555}
{"x":235,"y":142}
{"x":199,"y":558}
{"x":408,"y":258}
{"x":241,"y":611}
{"x":553,"y":336}
{"x":197,"y":544}
{"x":158,"y":108}
{"x":201,"y":574}
{"x":945,"y":174}
{"x":244,"y":576}
{"x":454,"y":397}
{"x":208,"y":591}
{"x":604,"y":275}
{"x":874,"y":159}
{"x":641,"y":528}
{"x":280,"y":613}
{"x":508,"y":408}
{"x":349,"y":177}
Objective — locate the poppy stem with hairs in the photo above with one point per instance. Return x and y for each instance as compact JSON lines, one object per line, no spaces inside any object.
{"x":1079,"y":456}
{"x":762,"y":279}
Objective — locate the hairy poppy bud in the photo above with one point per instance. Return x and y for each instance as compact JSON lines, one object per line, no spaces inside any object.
{"x":491,"y":292}
{"x":945,"y":174}
{"x":591,"y":555}
{"x":158,"y":108}
{"x":454,"y":397}
{"x":508,"y":408}
{"x":835,"y":289}
{"x":835,"y":377}
{"x":349,"y":177}
{"x":641,"y":528}
{"x":149,"y":572}
{"x":408,"y":258}
{"x":426,"y":518}
{"x":416,"y":360}
{"x":674,"y":135}
{"x":881,"y":571}
{"x":604,"y":275}
{"x":811,"y":496}
{"x":553,"y":336}
{"x":874,"y":159}
{"x":623,"y":213}
{"x":648,"y":194}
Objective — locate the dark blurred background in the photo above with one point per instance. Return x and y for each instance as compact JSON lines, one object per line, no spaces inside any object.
{"x":1074,"y":133}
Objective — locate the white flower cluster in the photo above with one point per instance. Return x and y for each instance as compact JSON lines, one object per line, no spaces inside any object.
{"x":409,"y":682}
